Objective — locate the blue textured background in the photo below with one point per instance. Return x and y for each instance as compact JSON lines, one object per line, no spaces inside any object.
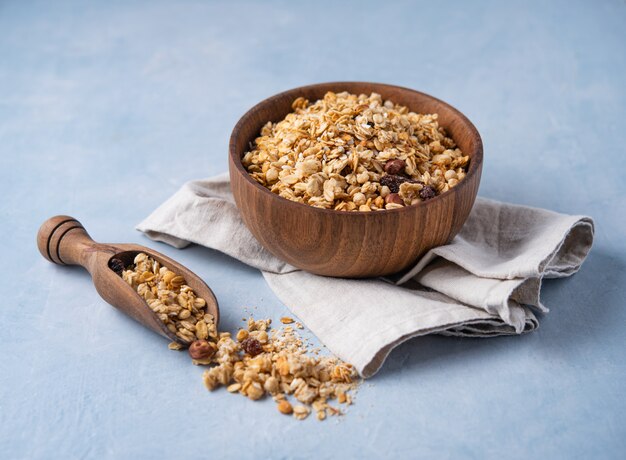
{"x":107,"y":107}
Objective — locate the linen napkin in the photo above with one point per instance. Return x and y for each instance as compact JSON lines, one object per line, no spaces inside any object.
{"x":485,"y":283}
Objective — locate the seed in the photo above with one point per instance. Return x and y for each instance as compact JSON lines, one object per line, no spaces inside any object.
{"x":286,"y":320}
{"x":284,"y":407}
{"x":184,"y":314}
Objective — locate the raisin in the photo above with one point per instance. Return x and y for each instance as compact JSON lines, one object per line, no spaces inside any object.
{"x":427,"y":193}
{"x":395,"y":166}
{"x":252,"y":346}
{"x":393,"y":181}
{"x":116,"y":265}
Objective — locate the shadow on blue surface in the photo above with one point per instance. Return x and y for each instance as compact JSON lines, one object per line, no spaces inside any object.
{"x":582,"y":311}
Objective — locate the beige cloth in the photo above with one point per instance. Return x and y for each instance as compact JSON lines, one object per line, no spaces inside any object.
{"x":485,"y":283}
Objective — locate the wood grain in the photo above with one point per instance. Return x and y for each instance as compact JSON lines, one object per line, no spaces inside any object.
{"x":352,"y":244}
{"x":64,"y":241}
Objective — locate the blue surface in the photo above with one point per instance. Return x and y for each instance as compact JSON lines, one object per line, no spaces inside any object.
{"x":106,"y":108}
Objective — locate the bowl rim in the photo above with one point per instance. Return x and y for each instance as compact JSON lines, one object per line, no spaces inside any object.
{"x":475,"y":161}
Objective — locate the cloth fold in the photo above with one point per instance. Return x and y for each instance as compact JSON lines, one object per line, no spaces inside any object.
{"x":486,"y":282}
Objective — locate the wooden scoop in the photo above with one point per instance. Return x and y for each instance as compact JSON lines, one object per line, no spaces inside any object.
{"x":64,"y":241}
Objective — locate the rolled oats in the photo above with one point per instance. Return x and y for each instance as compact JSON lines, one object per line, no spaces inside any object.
{"x":338,"y":152}
{"x":301,"y":412}
{"x":281,"y":368}
{"x":175,"y":303}
{"x":261,"y":361}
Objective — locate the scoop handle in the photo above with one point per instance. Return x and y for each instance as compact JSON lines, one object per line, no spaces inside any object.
{"x":63,"y":240}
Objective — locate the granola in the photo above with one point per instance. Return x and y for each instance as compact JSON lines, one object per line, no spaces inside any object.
{"x":258,"y":362}
{"x":355,"y":153}
{"x":174,"y":302}
{"x":282,"y":367}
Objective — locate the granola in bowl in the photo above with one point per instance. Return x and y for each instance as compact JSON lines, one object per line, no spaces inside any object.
{"x":355,"y":153}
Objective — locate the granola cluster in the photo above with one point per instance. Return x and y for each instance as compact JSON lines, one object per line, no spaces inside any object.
{"x":166,"y":293}
{"x":355,"y":153}
{"x":260,"y":360}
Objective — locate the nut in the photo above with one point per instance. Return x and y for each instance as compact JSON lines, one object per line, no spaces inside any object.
{"x":394,"y":198}
{"x":276,"y":363}
{"x":202,"y":349}
{"x":395,"y":166}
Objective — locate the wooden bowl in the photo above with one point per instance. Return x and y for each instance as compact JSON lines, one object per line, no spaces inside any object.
{"x":352,"y":244}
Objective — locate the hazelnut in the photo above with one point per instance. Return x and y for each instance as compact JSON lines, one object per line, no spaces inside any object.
{"x":395,"y":166}
{"x":394,"y":198}
{"x":202,"y":349}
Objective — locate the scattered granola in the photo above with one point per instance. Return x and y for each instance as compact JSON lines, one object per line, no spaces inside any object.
{"x":166,"y":293}
{"x":278,"y":365}
{"x":350,"y":153}
{"x":257,"y":363}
